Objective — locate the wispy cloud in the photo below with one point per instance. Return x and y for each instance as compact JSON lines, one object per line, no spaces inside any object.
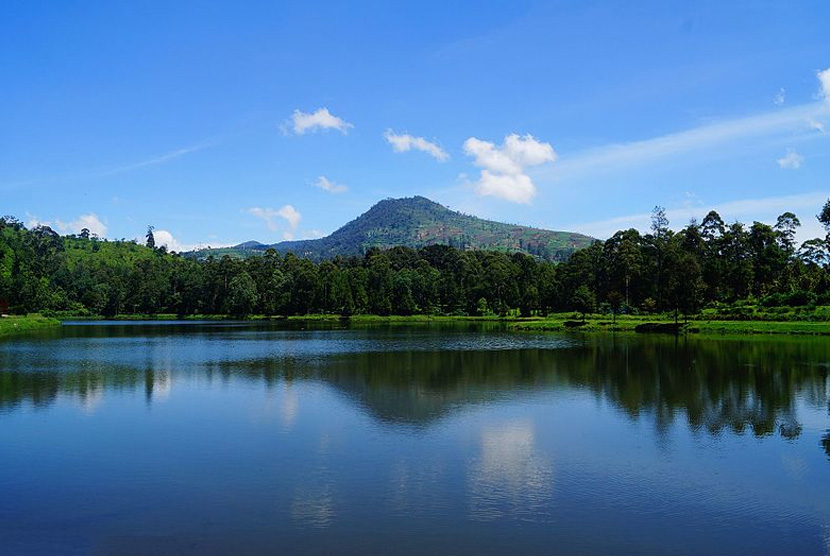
{"x":824,"y":79}
{"x":790,"y":161}
{"x":780,"y":97}
{"x":320,"y":119}
{"x":327,"y":185}
{"x":156,"y":160}
{"x":709,"y":136}
{"x":405,"y":142}
{"x":503,"y":168}
{"x":114,"y":170}
{"x":287,"y":212}
{"x":764,"y":209}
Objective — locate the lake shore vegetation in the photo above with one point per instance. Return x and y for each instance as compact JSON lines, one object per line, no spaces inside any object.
{"x":705,"y":273}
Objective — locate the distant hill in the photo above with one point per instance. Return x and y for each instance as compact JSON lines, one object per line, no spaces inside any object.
{"x":416,"y":222}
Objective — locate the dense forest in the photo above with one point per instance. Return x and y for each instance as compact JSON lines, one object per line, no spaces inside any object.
{"x":704,"y":264}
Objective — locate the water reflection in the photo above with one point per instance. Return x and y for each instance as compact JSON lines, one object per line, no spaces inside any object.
{"x":713,"y":386}
{"x":717,"y":386}
{"x":413,"y":441}
{"x":313,"y":502}
{"x":289,"y":407}
{"x":510,"y":477}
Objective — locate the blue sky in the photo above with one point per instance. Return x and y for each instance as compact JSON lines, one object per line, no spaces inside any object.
{"x":223,"y":122}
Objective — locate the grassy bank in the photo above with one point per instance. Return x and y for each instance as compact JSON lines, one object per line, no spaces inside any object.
{"x":19,"y":324}
{"x":625,"y":323}
{"x":593,"y":323}
{"x":409,"y":319}
{"x":139,"y":316}
{"x":761,"y":327}
{"x":560,"y":322}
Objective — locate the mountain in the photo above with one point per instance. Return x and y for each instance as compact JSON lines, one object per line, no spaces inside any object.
{"x":417,"y":222}
{"x":251,"y":245}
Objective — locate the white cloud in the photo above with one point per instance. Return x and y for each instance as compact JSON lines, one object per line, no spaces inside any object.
{"x":321,"y":119}
{"x":88,"y":221}
{"x":780,"y":97}
{"x":518,"y":188}
{"x":791,"y":161}
{"x":503,"y":168}
{"x":164,"y":237}
{"x":291,"y":215}
{"x":824,"y":80}
{"x":816,"y":126}
{"x":405,"y":142}
{"x":33,"y":221}
{"x":327,"y":185}
{"x":267,"y":214}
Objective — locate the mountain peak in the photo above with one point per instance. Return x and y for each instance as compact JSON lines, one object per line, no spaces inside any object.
{"x":417,"y":222}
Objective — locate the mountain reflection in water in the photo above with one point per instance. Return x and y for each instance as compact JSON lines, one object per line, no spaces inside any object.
{"x":711,"y":385}
{"x":236,"y":438}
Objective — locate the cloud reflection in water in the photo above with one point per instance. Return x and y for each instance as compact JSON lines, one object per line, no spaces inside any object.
{"x":510,"y":478}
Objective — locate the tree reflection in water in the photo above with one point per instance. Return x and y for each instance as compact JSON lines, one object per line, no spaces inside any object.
{"x":713,"y":385}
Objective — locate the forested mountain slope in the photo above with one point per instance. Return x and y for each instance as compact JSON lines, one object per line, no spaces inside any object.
{"x":417,"y":222}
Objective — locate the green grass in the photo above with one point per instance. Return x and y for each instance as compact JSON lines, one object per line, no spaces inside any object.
{"x":625,"y":323}
{"x":593,"y":323}
{"x":153,"y":317}
{"x":760,"y":327}
{"x":409,"y":319}
{"x":554,"y":323}
{"x":18,"y":324}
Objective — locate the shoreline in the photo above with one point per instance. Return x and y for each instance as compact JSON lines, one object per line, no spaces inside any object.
{"x":695,"y":327}
{"x":562,"y":322}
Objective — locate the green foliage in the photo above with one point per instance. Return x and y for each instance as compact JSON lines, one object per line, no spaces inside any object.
{"x":242,"y":295}
{"x":151,"y":239}
{"x":824,"y":216}
{"x":797,"y":298}
{"x":584,"y":300}
{"x":730,"y":272}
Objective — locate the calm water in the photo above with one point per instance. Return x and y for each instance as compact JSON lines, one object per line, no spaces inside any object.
{"x":242,"y":439}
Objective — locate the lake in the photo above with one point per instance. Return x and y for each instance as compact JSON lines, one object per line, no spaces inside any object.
{"x":242,"y":438}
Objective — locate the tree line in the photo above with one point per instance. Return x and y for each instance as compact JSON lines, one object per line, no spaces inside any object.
{"x":703,"y":264}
